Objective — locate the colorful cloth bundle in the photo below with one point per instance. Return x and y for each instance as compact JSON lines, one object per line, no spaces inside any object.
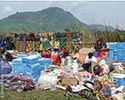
{"x":62,"y":44}
{"x":102,"y":87}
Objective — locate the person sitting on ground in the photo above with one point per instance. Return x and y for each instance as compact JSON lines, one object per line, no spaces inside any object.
{"x":102,"y":86}
{"x":88,"y":61}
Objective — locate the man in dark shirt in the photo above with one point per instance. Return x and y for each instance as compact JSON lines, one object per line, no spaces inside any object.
{"x":99,"y":45}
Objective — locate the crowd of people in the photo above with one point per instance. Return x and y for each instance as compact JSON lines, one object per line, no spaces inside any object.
{"x":100,"y":70}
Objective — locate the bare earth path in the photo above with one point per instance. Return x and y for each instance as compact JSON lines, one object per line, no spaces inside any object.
{"x":83,"y":53}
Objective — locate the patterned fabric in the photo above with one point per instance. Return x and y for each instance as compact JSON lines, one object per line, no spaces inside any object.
{"x":55,"y":44}
{"x":21,"y":46}
{"x":69,"y":46}
{"x":29,"y":46}
{"x":24,"y":44}
{"x":36,"y":45}
{"x":41,"y":47}
{"x":62,"y":44}
{"x":17,"y":45}
{"x":102,"y":87}
{"x":63,"y":35}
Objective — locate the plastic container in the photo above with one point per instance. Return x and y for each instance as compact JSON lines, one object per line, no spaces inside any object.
{"x":75,"y":67}
{"x":63,"y":61}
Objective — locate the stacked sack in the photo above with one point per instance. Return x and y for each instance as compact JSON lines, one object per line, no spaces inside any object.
{"x":44,"y":62}
{"x":17,"y":64}
{"x":21,"y":55}
{"x":30,"y":65}
{"x":117,"y":50}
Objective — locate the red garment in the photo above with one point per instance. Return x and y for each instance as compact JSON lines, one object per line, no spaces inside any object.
{"x":46,"y":55}
{"x":101,"y":54}
{"x":68,"y":33}
{"x":55,"y":59}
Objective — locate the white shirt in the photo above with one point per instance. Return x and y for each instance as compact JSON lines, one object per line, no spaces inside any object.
{"x":88,"y":60}
{"x":75,"y":55}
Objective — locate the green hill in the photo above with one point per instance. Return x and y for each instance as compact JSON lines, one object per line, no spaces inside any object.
{"x":52,"y":19}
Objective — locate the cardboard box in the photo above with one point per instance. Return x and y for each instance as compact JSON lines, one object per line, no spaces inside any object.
{"x":70,"y":81}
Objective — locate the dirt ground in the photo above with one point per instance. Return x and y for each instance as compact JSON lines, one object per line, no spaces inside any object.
{"x":86,"y":50}
{"x":83,"y":53}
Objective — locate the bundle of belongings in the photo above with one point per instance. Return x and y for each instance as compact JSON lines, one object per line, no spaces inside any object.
{"x":18,"y":82}
{"x":99,"y":86}
{"x":106,"y":82}
{"x":109,"y":64}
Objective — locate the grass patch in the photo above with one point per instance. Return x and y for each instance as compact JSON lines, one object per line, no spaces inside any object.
{"x":37,"y":95}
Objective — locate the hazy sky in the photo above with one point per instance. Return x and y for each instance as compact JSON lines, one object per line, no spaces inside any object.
{"x":90,"y":12}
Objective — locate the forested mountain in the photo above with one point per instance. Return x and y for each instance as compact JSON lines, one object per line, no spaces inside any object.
{"x":52,"y":19}
{"x":47,"y":20}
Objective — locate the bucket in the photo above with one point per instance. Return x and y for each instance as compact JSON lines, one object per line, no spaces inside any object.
{"x":63,"y":61}
{"x":68,"y":61}
{"x":75,"y":61}
{"x":75,"y":67}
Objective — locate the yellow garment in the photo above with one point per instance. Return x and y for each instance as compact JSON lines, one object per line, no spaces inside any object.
{"x":100,"y":80}
{"x":41,"y":47}
{"x":17,"y":45}
{"x":68,"y":45}
{"x":55,"y":44}
{"x":29,"y":46}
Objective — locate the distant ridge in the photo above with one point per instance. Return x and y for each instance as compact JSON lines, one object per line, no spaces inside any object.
{"x":52,"y":19}
{"x":101,"y":27}
{"x":47,"y":20}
